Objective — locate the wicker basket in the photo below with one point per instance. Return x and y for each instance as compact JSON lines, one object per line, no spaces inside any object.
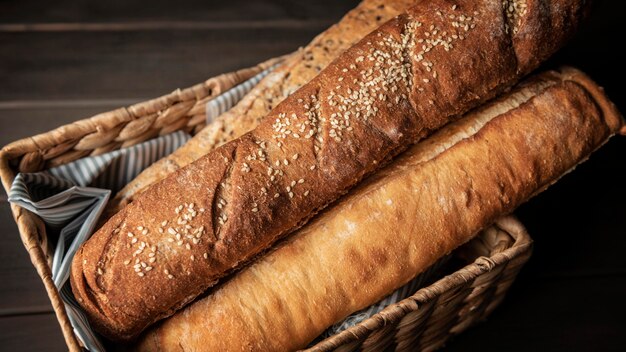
{"x":424,"y":321}
{"x":481,"y":273}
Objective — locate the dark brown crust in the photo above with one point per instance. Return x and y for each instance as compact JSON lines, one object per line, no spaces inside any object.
{"x":486,"y":58}
{"x":296,"y":71}
{"x":438,"y":195}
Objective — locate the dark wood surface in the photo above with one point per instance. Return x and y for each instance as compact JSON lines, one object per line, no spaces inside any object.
{"x":70,"y":60}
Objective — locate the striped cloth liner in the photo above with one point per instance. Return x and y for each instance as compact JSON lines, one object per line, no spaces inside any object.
{"x":228,"y":99}
{"x":70,"y":198}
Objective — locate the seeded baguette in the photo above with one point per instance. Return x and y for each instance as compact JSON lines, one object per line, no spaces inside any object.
{"x":296,"y":71}
{"x":436,"y":196}
{"x":391,"y":89}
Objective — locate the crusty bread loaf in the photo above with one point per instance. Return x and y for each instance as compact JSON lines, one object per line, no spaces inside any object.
{"x":435,"y":197}
{"x":409,"y":77}
{"x":299,"y":69}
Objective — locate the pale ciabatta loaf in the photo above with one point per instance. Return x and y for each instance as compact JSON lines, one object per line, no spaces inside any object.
{"x":429,"y":201}
{"x":299,"y":69}
{"x":407,"y":78}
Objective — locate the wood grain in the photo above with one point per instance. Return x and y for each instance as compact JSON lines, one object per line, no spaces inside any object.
{"x":133,"y":64}
{"x":32,"y":332}
{"x":29,"y":118}
{"x":21,"y":291}
{"x":569,"y":297}
{"x":121,"y":11}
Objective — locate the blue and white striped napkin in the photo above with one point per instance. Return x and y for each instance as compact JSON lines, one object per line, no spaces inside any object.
{"x":70,"y":199}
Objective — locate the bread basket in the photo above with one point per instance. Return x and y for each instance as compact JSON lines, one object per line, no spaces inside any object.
{"x":466,"y":292}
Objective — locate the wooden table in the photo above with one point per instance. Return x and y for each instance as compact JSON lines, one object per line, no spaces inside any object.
{"x":69,"y":61}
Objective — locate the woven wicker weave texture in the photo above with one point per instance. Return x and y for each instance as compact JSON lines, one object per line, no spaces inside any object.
{"x":180,"y":110}
{"x":424,"y":321}
{"x":183,"y":109}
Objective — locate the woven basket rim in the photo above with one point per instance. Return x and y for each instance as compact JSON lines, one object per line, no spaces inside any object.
{"x":88,"y":133}
{"x":521,"y":245}
{"x":33,"y":234}
{"x":30,"y":226}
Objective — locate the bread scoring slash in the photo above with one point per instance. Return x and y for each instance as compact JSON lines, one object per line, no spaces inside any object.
{"x":436,"y":196}
{"x":296,"y":71}
{"x":412,"y":75}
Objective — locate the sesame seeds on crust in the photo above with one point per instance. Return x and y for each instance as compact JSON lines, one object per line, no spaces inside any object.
{"x":182,"y":232}
{"x":514,"y":10}
{"x":385,"y":72}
